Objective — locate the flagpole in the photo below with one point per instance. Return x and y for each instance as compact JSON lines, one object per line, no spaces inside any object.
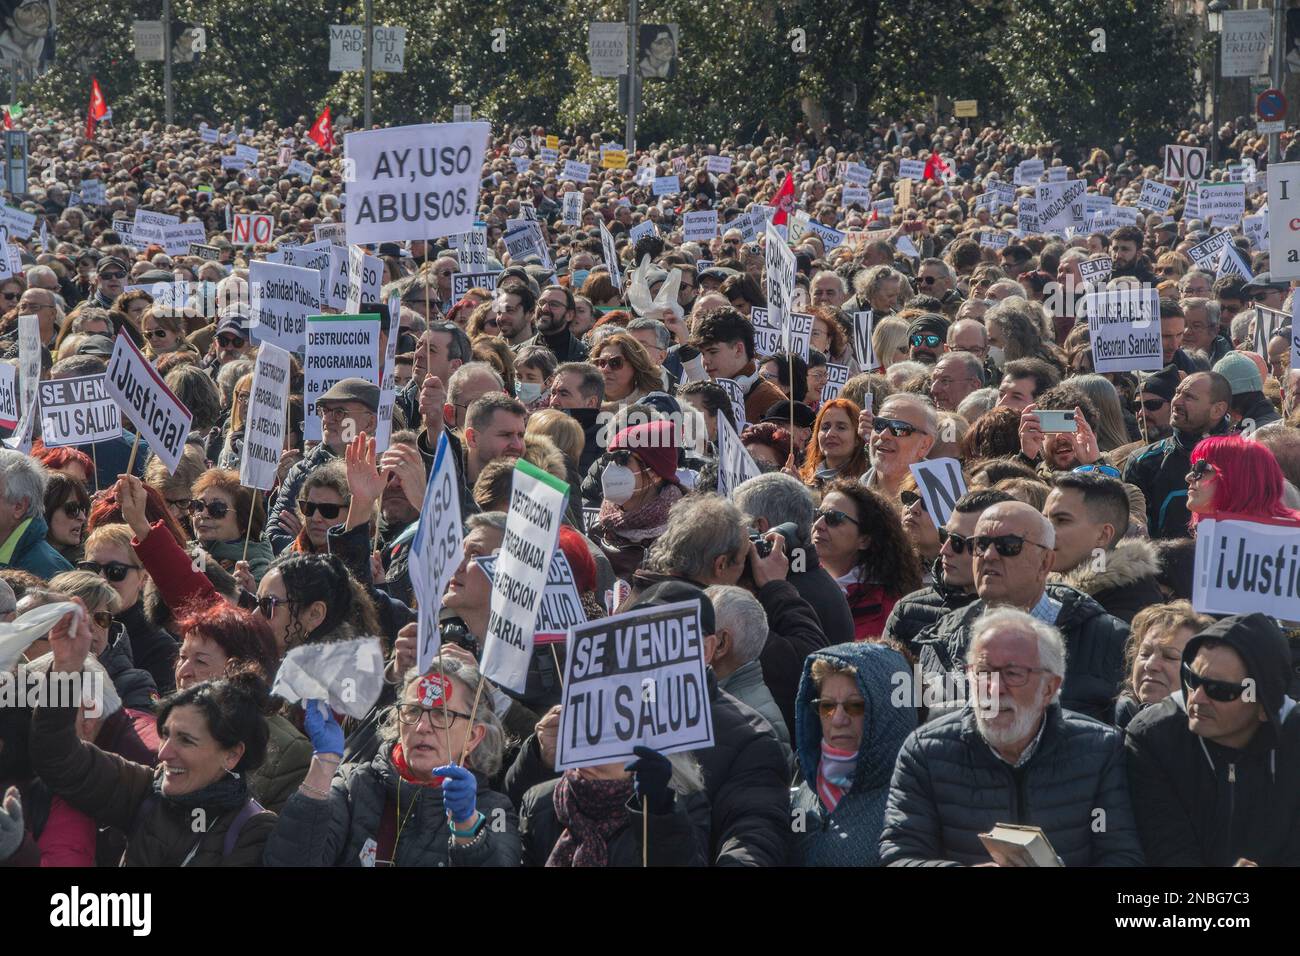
{"x":167,"y":60}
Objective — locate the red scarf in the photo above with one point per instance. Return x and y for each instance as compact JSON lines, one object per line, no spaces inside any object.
{"x":404,"y":770}
{"x":591,"y":811}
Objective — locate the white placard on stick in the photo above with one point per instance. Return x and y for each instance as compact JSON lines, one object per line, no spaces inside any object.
{"x":941,"y":483}
{"x":1244,"y":566}
{"x":280,"y":299}
{"x":1125,"y":330}
{"x":159,"y":416}
{"x":267,"y":418}
{"x":78,"y":411}
{"x":338,"y":347}
{"x":436,"y":550}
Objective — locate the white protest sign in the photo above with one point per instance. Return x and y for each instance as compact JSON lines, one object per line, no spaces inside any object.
{"x":718,"y":165}
{"x":700,"y":226}
{"x":770,"y":338}
{"x":561,"y":604}
{"x":471,"y":253}
{"x":462,"y":282}
{"x":1255,"y":229}
{"x":836,"y":377}
{"x":1224,"y":202}
{"x":1096,"y":270}
{"x":860,"y":175}
{"x":78,"y":411}
{"x":1058,"y":174}
{"x":1125,"y":330}
{"x":146,"y":401}
{"x":635,"y":679}
{"x":280,"y":299}
{"x":365,"y":276}
{"x":1060,"y":205}
{"x":29,"y":375}
{"x":780,"y":266}
{"x":862,"y":349}
{"x":610,"y":255}
{"x":1231,"y":263}
{"x":176,"y":239}
{"x":525,"y":241}
{"x":994,"y":240}
{"x":1205,"y":254}
{"x":338,"y":347}
{"x":148,"y":226}
{"x":1029,"y":172}
{"x":735,"y":464}
{"x":646,"y":227}
{"x":856,"y":196}
{"x":666,"y":186}
{"x":737,"y":396}
{"x":1243,"y":566}
{"x":1156,"y":196}
{"x":1283,"y":211}
{"x":532,"y":529}
{"x":1184,"y":162}
{"x":607,"y":49}
{"x":911,"y":169}
{"x":575,"y":172}
{"x":413,"y":182}
{"x":252,"y":229}
{"x":548,"y":156}
{"x":571,"y":212}
{"x":266,"y":419}
{"x":336,"y":285}
{"x":387,"y":383}
{"x":436,"y":550}
{"x":940,"y":482}
{"x":8,"y":396}
{"x":1027,"y":215}
{"x":1267,"y":323}
{"x":300,"y":169}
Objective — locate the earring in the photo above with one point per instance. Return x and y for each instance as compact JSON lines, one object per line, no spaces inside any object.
{"x":232,"y":773}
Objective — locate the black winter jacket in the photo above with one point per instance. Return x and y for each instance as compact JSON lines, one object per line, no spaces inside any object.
{"x":1094,"y":650}
{"x":949,"y":787}
{"x":916,"y":611}
{"x":152,"y":648}
{"x":793,"y":633}
{"x":1124,"y":583}
{"x":1159,"y":471}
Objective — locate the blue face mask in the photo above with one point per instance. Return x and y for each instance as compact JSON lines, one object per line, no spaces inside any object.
{"x":578,"y":278}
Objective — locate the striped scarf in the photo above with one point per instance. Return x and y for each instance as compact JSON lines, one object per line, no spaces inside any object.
{"x":835,"y":775}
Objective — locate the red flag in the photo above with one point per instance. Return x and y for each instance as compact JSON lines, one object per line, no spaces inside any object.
{"x":97,"y":109}
{"x":322,"y":131}
{"x":784,"y":201}
{"x":936,"y":168}
{"x":9,"y":120}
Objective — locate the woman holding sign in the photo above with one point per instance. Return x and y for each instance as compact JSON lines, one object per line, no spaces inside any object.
{"x":410,"y":805}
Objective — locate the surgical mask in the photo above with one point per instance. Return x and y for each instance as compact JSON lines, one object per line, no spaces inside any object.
{"x":528,"y":392}
{"x":578,"y":278}
{"x":617,"y":483}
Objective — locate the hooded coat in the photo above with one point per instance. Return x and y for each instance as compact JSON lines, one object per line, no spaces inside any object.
{"x":35,"y":554}
{"x":1125,"y":582}
{"x":849,"y":835}
{"x":1199,"y":803}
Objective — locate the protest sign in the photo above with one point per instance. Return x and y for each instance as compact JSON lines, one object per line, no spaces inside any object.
{"x":666,"y":186}
{"x":387,"y":383}
{"x":1232,"y":263}
{"x":1155,"y":196}
{"x":737,"y":396}
{"x":735,"y":464}
{"x":855,"y":196}
{"x":700,"y":226}
{"x":1027,"y":215}
{"x":770,"y":338}
{"x":718,"y":165}
{"x":646,"y":227}
{"x":1029,"y":172}
{"x":347,"y":676}
{"x":266,"y":419}
{"x":462,"y":282}
{"x":940,"y":482}
{"x":1267,"y":323}
{"x":610,"y":255}
{"x":78,"y":411}
{"x":1224,"y":202}
{"x":1060,"y":205}
{"x":1058,"y":174}
{"x":338,"y":347}
{"x":561,"y":606}
{"x":575,"y":172}
{"x":436,"y":550}
{"x":93,"y":192}
{"x":524,"y":241}
{"x":548,"y":156}
{"x":144,"y":398}
{"x":1096,"y":270}
{"x":300,"y":169}
{"x":1283,"y":210}
{"x":336,"y":283}
{"x":862,"y":350}
{"x":857,"y":174}
{"x":634,"y":679}
{"x":1125,"y":330}
{"x":571,"y":214}
{"x":1184,"y":162}
{"x":1243,"y":565}
{"x":176,"y":239}
{"x":836,"y":377}
{"x":532,"y":529}
{"x":1205,"y":254}
{"x":334,"y":233}
{"x":280,"y":299}
{"x":8,"y":396}
{"x":148,"y":225}
{"x":472,"y":252}
{"x":365,"y":276}
{"x":1255,"y":229}
{"x":911,"y":169}
{"x":205,"y":252}
{"x":994,"y":240}
{"x":413,"y":182}
{"x":780,"y":267}
{"x":29,"y":374}
{"x":252,"y":229}
{"x":613,"y":159}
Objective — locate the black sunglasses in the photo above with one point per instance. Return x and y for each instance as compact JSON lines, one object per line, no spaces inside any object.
{"x":1151,"y":404}
{"x":897,"y":427}
{"x":1221,"y":690}
{"x":269,"y":603}
{"x":1200,"y":470}
{"x":928,"y":339}
{"x":327,"y":511}
{"x":112,"y":276}
{"x":75,"y":509}
{"x":158,"y":333}
{"x":230,"y":341}
{"x":217,"y":509}
{"x":114,"y":571}
{"x":1008,"y":545}
{"x":958,"y":542}
{"x":834,"y":518}
{"x":909,"y":498}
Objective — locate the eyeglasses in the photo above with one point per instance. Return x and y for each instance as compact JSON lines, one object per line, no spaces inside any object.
{"x":956,"y":541}
{"x":1200,"y":470}
{"x":909,"y":498}
{"x":268,"y":603}
{"x":613,"y":363}
{"x":1108,"y":470}
{"x":928,"y":280}
{"x":1150,"y":404}
{"x":114,"y":571}
{"x":1008,"y":545}
{"x":158,"y":333}
{"x":74,"y":509}
{"x":896,"y":427}
{"x":834,"y":518}
{"x":230,"y":341}
{"x":217,"y":509}
{"x":103,"y":619}
{"x":411,"y":713}
{"x":182,"y":503}
{"x":309,"y":509}
{"x":929,"y":339}
{"x":1013,"y":675}
{"x":243,"y":397}
{"x":826,"y":707}
{"x":112,"y":276}
{"x":1221,"y":690}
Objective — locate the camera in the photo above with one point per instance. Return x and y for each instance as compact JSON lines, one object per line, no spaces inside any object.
{"x":789,"y":532}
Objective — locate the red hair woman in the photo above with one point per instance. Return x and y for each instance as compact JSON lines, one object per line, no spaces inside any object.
{"x":1230,"y":474}
{"x":835,"y":449}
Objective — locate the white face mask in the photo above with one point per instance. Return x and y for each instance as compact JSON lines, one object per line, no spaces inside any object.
{"x":528,"y":392}
{"x":997,"y":355}
{"x":617,"y":483}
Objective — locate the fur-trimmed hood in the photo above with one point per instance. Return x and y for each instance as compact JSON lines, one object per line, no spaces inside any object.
{"x":1129,"y":562}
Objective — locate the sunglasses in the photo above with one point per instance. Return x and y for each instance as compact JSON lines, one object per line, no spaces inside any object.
{"x":1221,"y":690}
{"x":929,"y":339}
{"x":1008,"y":545}
{"x":182,"y":503}
{"x":269,"y":603}
{"x":217,"y":509}
{"x":328,"y":512}
{"x":158,"y":333}
{"x":895,"y":427}
{"x":909,"y":498}
{"x":112,"y":276}
{"x":1150,"y":404}
{"x":230,"y":341}
{"x":9,"y":296}
{"x":1108,"y":470}
{"x":74,"y":510}
{"x":613,"y":363}
{"x":103,"y":619}
{"x":928,"y":280}
{"x":834,"y":518}
{"x":958,"y":542}
{"x":1200,"y":470}
{"x":827,"y":708}
{"x":114,"y":571}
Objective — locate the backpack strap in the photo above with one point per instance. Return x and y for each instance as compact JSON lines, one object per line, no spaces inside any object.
{"x":247,"y":812}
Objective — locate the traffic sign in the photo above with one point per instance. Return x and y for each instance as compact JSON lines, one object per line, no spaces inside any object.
{"x":1271,"y":105}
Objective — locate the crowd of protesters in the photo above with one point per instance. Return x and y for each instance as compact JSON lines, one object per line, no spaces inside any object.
{"x":886,"y":687}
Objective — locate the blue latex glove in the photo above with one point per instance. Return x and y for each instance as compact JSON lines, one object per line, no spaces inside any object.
{"x":322,"y":729}
{"x":651,"y":772}
{"x":459,"y":792}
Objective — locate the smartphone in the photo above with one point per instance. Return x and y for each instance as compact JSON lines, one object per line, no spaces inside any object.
{"x":1056,"y":421}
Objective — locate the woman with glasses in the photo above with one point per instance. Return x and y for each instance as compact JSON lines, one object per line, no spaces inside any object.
{"x":835,"y":449}
{"x":311,"y":598}
{"x":629,"y":373}
{"x":322,"y":504}
{"x":422,"y":800}
{"x":1153,"y":655}
{"x":1235,"y":476}
{"x":919,"y":526}
{"x":163,"y":332}
{"x":108,"y":642}
{"x":829,"y":338}
{"x":848,"y":731}
{"x":861,"y":543}
{"x":220,"y":511}
{"x":66,"y":508}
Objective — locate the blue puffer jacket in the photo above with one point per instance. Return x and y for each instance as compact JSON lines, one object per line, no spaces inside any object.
{"x":949,"y":787}
{"x":33,"y":553}
{"x":850,"y":835}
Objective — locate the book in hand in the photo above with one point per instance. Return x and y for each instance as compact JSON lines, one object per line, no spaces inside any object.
{"x":1013,"y":845}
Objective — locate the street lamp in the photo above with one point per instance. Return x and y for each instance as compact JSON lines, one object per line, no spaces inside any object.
{"x":1214,"y":18}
